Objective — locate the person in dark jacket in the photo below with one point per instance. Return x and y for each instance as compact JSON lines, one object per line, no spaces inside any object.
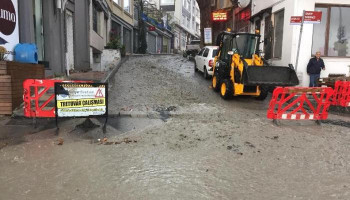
{"x":314,"y":69}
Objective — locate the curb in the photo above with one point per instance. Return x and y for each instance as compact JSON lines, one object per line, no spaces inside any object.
{"x":115,"y":70}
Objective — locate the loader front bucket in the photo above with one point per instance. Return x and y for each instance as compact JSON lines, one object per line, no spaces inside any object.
{"x":270,"y":76}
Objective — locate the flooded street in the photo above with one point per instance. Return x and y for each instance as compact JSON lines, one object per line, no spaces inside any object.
{"x":170,"y":136}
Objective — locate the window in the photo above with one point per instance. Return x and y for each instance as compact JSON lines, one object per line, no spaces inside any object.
{"x":193,"y":23}
{"x":136,"y":13}
{"x":201,"y":52}
{"x":278,"y":40}
{"x":117,"y":2}
{"x":127,"y":5}
{"x":206,"y":52}
{"x":215,"y":53}
{"x":95,"y":19}
{"x":226,"y":47}
{"x":244,"y":45}
{"x":331,"y":37}
{"x":188,"y":23}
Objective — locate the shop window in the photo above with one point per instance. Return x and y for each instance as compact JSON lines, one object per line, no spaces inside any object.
{"x":331,"y":37}
{"x":278,"y":39}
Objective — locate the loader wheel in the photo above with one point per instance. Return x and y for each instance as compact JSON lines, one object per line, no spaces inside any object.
{"x":226,"y":89}
{"x":263,"y":94}
{"x":215,"y":83}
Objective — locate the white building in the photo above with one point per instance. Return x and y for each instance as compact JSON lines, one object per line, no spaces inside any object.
{"x":186,"y":18}
{"x":280,"y":39}
{"x":184,"y":15}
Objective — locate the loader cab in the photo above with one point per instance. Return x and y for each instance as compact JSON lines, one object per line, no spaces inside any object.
{"x":243,"y":44}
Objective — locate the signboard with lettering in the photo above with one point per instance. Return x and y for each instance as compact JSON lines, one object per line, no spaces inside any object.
{"x":151,"y":28}
{"x":81,"y":99}
{"x":219,"y":16}
{"x":167,"y":5}
{"x":312,"y":17}
{"x":296,"y":20}
{"x":9,"y":36}
{"x":207,"y":36}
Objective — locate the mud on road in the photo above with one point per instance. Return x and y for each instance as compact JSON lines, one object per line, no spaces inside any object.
{"x":178,"y":139}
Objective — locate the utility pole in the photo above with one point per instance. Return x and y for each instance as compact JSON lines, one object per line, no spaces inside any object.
{"x":300,"y":36}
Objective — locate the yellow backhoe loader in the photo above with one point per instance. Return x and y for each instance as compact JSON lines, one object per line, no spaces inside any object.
{"x":240,"y":70}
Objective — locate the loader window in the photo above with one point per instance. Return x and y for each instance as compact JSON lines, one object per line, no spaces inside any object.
{"x":245,"y":45}
{"x":226,"y":47}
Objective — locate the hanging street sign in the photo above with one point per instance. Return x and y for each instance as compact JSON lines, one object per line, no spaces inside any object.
{"x":312,"y":17}
{"x":309,"y":17}
{"x":296,"y":20}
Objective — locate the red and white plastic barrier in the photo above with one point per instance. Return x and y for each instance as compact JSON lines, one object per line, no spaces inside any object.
{"x":33,"y":92}
{"x":300,"y":103}
{"x":341,"y":95}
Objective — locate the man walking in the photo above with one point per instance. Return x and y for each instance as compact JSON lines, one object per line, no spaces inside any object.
{"x":314,"y":69}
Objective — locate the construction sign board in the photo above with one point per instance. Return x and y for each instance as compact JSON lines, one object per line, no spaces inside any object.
{"x":81,"y":99}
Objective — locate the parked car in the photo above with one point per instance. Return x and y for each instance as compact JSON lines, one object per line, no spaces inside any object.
{"x":204,"y":60}
{"x":192,"y":48}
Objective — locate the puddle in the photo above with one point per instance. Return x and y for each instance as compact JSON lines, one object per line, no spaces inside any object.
{"x":125,"y":124}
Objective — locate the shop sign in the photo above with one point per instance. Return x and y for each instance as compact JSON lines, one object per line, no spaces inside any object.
{"x":208,"y":35}
{"x":9,"y":37}
{"x":151,"y":28}
{"x":219,"y":16}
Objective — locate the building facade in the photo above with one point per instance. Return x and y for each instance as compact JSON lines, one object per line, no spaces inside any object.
{"x":159,"y":34}
{"x":186,"y":23}
{"x":54,"y":27}
{"x":280,"y":39}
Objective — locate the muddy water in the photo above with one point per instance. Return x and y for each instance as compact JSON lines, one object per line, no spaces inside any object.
{"x":199,"y":147}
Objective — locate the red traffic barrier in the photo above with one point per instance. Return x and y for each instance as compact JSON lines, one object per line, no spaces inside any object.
{"x":39,"y":97}
{"x":341,"y":96}
{"x":300,"y":103}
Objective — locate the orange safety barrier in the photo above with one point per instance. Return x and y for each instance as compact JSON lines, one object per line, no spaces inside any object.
{"x":341,"y":96}
{"x":37,"y":101}
{"x":300,"y":103}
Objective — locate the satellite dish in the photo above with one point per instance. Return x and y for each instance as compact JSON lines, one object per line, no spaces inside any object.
{"x":243,"y":3}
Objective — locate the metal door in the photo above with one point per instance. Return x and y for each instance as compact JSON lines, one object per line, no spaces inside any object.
{"x":151,"y":43}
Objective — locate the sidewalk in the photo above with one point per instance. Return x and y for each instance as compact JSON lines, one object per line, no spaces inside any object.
{"x":95,"y":76}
